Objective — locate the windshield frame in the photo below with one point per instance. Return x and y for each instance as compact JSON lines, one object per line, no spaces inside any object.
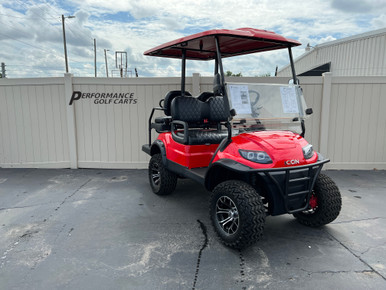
{"x":263,"y":106}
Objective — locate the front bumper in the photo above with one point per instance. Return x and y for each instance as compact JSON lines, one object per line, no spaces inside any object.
{"x":287,"y":190}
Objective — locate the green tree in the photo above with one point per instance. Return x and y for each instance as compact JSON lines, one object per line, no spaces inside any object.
{"x":264,"y":75}
{"x":230,"y":74}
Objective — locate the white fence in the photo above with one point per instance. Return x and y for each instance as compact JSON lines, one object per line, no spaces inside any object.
{"x":38,"y":127}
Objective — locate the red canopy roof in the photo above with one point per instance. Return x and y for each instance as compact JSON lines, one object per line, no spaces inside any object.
{"x":232,"y":42}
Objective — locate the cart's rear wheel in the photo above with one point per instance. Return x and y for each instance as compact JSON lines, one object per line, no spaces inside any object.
{"x":325,"y":203}
{"x":237,"y":213}
{"x":162,"y":181}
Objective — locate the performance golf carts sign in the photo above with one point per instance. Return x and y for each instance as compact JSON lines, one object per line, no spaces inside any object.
{"x":105,"y":98}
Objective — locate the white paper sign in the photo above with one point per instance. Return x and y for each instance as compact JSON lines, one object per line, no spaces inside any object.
{"x":240,"y":99}
{"x":289,"y":100}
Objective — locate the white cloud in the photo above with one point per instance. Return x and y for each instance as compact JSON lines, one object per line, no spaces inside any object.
{"x":379,"y":22}
{"x":359,"y":6}
{"x":135,"y":26}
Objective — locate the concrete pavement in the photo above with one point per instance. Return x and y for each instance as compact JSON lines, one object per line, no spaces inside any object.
{"x":105,"y":229}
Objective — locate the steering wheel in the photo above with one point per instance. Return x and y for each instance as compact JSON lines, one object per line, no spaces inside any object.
{"x":257,"y":97}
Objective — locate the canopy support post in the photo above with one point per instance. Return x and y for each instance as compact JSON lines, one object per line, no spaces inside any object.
{"x":224,"y":91}
{"x":183,"y":72}
{"x":292,"y":66}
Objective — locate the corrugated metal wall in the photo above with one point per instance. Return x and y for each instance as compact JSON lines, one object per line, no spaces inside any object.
{"x":365,"y":56}
{"x":39,"y":129}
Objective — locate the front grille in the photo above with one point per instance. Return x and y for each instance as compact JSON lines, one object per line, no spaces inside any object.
{"x":290,"y":188}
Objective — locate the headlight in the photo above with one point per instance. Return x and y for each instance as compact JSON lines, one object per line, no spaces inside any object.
{"x":308,"y":151}
{"x":256,"y":156}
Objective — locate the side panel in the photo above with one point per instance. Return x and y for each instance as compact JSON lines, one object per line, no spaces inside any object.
{"x":190,"y":156}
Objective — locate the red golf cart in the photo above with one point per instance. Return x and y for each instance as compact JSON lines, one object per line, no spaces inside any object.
{"x":242,"y":141}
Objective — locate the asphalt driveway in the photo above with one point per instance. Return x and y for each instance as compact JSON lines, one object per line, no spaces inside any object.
{"x":105,"y":229}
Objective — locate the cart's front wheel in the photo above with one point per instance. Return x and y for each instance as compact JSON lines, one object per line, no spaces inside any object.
{"x":325,"y":203}
{"x":237,"y":213}
{"x":162,"y":181}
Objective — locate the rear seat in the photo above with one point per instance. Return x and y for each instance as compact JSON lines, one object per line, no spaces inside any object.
{"x":163,"y":124}
{"x":192,"y":120}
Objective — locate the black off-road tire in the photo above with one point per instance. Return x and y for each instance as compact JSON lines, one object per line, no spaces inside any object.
{"x":162,"y":181}
{"x":236,"y":199}
{"x":329,"y":204}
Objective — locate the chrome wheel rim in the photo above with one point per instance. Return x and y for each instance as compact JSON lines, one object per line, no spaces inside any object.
{"x":227,"y":215}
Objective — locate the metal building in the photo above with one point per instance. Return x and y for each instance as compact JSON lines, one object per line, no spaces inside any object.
{"x":359,"y":55}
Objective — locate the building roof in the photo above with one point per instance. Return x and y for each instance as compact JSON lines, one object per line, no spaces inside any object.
{"x":353,"y":38}
{"x":357,"y":37}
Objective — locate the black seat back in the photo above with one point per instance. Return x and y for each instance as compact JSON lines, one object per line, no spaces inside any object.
{"x":190,"y":113}
{"x":205,"y":96}
{"x":217,"y":112}
{"x":169,"y":98}
{"x":189,"y":109}
{"x":192,"y":110}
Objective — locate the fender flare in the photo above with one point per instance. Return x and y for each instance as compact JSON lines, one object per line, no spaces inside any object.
{"x":224,"y":165}
{"x":159,"y":147}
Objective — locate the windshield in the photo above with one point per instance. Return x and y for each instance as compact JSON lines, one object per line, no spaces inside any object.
{"x":266,"y":107}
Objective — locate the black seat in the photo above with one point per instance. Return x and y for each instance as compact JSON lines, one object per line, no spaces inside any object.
{"x":217,"y":112}
{"x":169,"y":98}
{"x":204,"y":96}
{"x":192,"y":120}
{"x":163,"y":124}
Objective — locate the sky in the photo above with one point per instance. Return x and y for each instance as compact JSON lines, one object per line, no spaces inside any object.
{"x":31,"y":37}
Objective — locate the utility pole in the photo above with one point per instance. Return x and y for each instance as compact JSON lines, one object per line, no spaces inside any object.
{"x":121,"y":53}
{"x":107,"y":69}
{"x":95,"y":57}
{"x":64,"y":40}
{"x":3,"y":75}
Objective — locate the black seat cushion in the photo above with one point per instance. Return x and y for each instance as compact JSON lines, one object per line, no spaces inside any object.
{"x":200,"y":137}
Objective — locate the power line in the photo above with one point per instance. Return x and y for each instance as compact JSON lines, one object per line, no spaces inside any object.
{"x":33,"y":11}
{"x":27,"y":7}
{"x":13,"y":16}
{"x":57,"y":18}
{"x":55,"y":11}
{"x":25,"y":43}
{"x":42,"y":49}
{"x":34,"y":66}
{"x":68,"y":24}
